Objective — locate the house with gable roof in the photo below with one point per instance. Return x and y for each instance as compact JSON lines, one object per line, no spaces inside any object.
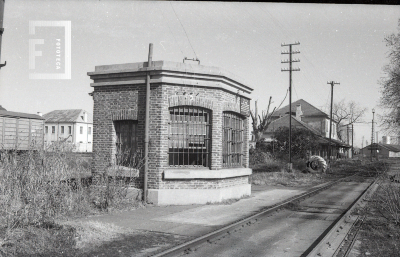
{"x":306,"y":116}
{"x":380,"y":150}
{"x":74,"y":126}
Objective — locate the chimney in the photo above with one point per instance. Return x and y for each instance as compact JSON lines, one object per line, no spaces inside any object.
{"x":85,"y":115}
{"x":40,"y":114}
{"x":299,"y":113}
{"x":386,"y":139}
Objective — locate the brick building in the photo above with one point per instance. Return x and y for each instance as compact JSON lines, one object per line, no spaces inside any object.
{"x":199,"y":132}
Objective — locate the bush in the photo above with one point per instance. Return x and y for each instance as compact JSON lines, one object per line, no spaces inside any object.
{"x":37,"y":187}
{"x":258,"y":156}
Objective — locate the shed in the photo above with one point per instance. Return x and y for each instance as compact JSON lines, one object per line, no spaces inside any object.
{"x":381,"y":150}
{"x":199,"y":129}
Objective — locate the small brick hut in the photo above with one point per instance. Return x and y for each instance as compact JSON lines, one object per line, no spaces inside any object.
{"x":199,"y":129}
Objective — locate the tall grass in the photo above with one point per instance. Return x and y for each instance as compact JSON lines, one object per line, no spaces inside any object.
{"x":34,"y":188}
{"x":37,"y":188}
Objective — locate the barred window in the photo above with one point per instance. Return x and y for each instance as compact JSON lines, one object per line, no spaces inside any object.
{"x":232,"y":140}
{"x":189,"y":136}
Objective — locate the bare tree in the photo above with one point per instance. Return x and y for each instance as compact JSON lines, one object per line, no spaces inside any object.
{"x":390,"y":98}
{"x":346,"y":113}
{"x":261,"y":123}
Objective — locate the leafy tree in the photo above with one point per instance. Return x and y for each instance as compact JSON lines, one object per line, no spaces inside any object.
{"x":390,"y":98}
{"x":302,"y":141}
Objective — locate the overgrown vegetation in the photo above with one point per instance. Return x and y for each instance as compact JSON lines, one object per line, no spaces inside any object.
{"x":39,"y":188}
{"x":273,"y":170}
{"x":380,"y":232}
{"x":270,"y":170}
{"x":302,"y":141}
{"x":387,"y":201}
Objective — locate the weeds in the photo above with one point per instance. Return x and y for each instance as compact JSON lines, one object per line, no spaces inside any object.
{"x":39,"y":188}
{"x":387,"y":200}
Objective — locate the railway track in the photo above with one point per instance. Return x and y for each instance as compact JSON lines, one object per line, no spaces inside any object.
{"x":336,"y":240}
{"x":295,"y":204}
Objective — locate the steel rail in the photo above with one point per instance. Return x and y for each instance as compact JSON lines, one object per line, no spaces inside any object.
{"x":355,"y":237}
{"x":187,"y":246}
{"x":327,"y":237}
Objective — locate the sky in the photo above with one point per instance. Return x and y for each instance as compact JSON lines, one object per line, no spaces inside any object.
{"x":343,"y":43}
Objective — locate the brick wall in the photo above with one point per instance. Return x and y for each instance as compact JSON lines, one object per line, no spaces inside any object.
{"x":107,"y":101}
{"x":110,"y":100}
{"x":218,"y":98}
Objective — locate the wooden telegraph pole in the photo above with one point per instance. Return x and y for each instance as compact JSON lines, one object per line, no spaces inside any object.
{"x":352,"y":142}
{"x":1,"y":28}
{"x":372,"y":132}
{"x":332,"y":83}
{"x":290,"y":61}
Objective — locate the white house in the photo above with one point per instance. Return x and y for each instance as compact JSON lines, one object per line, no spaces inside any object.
{"x":74,"y":126}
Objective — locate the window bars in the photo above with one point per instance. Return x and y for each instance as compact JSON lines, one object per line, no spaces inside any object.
{"x":189,"y":137}
{"x":232,"y":140}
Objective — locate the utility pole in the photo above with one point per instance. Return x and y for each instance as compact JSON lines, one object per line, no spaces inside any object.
{"x":147,"y":124}
{"x":352,"y":142}
{"x":362,"y":146}
{"x":348,"y":138}
{"x":332,"y":83}
{"x":372,"y":132}
{"x":1,"y":27}
{"x":290,"y":61}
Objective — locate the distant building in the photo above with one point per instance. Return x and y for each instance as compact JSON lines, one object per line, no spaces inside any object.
{"x":380,"y":150}
{"x":73,"y":126}
{"x":20,"y":131}
{"x":306,"y":116}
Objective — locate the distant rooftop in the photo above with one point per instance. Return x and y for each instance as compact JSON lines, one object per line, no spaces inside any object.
{"x":307,"y":109}
{"x":72,"y":115}
{"x":19,"y":115}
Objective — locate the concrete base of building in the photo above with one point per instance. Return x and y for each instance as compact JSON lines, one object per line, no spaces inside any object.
{"x":197,"y":196}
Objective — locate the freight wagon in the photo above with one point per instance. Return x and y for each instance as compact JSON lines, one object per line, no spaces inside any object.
{"x":21,"y":131}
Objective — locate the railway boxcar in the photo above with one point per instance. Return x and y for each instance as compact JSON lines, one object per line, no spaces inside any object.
{"x":21,"y":131}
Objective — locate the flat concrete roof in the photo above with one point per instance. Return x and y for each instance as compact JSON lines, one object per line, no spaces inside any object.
{"x":186,"y":68}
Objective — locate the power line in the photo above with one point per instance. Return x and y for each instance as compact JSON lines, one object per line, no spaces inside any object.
{"x":294,"y":88}
{"x":290,"y":69}
{"x":184,"y":30}
{"x":332,"y":83}
{"x":169,"y":28}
